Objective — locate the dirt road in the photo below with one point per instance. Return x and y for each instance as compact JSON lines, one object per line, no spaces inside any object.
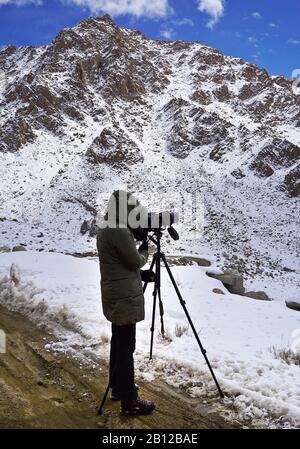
{"x":39,"y":389}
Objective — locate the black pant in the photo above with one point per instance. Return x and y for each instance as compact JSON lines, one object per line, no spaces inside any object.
{"x":121,"y":366}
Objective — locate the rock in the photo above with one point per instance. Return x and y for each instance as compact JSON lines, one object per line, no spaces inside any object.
{"x":19,"y":248}
{"x":277,"y":153}
{"x":188,"y":260}
{"x":289,"y":270}
{"x":282,"y":81}
{"x":4,"y":249}
{"x":247,"y":91}
{"x":258,"y":295}
{"x":201,"y":97}
{"x":14,"y":134}
{"x":222,"y":93}
{"x":232,"y":280}
{"x":114,"y":148}
{"x":262,"y":168}
{"x":217,"y":152}
{"x":90,"y":227}
{"x":218,"y":291}
{"x":293,"y":305}
{"x":84,"y":254}
{"x":291,"y":182}
{"x":238,"y":173}
{"x":84,"y":227}
{"x":93,"y":228}
{"x":202,"y":262}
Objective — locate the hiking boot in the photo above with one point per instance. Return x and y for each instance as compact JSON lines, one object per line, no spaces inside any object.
{"x":137,"y":407}
{"x":116,"y":397}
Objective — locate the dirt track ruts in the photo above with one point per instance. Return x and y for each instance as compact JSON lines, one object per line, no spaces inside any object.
{"x":40,"y":389}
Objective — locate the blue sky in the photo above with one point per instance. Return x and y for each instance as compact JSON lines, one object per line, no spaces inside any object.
{"x":266,"y":32}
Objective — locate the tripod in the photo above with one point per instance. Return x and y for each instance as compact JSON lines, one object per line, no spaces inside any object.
{"x":156,"y":263}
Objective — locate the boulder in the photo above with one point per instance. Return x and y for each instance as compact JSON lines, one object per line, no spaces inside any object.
{"x":218,"y":291}
{"x":19,"y":248}
{"x":84,"y":227}
{"x":202,"y":262}
{"x":93,"y":228}
{"x":232,"y":280}
{"x":258,"y":295}
{"x":90,"y":227}
{"x":293,"y":305}
{"x":4,"y":249}
{"x":188,"y":260}
{"x":238,"y":173}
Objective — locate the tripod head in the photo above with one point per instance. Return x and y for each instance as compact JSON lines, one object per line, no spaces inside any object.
{"x":157,"y":234}
{"x":156,"y":224}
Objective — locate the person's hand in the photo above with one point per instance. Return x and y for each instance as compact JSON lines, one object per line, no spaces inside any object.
{"x":144,"y":246}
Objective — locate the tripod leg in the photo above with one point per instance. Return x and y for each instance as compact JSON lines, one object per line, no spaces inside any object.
{"x":158,"y":286}
{"x":100,"y":408}
{"x":153,"y":320}
{"x":112,"y":373}
{"x":155,"y":291}
{"x":182,"y":302}
{"x":161,"y":312}
{"x":151,"y":268}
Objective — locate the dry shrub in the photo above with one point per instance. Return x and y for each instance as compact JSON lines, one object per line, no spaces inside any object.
{"x":180,"y":330}
{"x":287,"y":355}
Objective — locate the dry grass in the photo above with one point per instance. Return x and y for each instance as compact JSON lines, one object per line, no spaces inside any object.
{"x":287,"y":355}
{"x":104,"y":339}
{"x":180,"y":330}
{"x":166,"y":338}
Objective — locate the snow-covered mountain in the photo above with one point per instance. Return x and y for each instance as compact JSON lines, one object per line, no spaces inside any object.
{"x":103,"y":107}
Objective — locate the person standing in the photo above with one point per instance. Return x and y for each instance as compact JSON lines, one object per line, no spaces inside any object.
{"x":122,"y":297}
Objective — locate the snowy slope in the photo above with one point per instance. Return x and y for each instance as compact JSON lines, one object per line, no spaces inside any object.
{"x":240,"y":334}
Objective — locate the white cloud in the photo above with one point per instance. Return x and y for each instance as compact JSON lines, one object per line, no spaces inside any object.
{"x":256,"y":56}
{"x":183,"y":22}
{"x":167,"y":33}
{"x":20,"y":2}
{"x":252,"y":39}
{"x":215,"y":8}
{"x":152,"y":9}
{"x":273,"y":25}
{"x":138,"y":8}
{"x":256,"y":15}
{"x":293,"y":41}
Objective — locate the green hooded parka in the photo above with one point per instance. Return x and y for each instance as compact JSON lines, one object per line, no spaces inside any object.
{"x":120,"y":263}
